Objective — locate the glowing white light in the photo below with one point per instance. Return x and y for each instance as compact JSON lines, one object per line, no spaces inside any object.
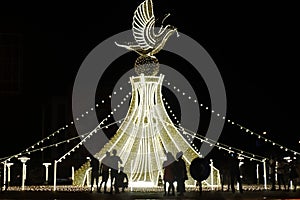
{"x":92,"y":108}
{"x":77,"y":118}
{"x":264,"y":132}
{"x":72,"y":122}
{"x":190,"y":97}
{"x":97,"y":105}
{"x":115,"y":92}
{"x":183,"y":93}
{"x":87,"y":112}
{"x":102,"y":101}
{"x":121,"y":88}
{"x":82,"y":115}
{"x":109,"y":96}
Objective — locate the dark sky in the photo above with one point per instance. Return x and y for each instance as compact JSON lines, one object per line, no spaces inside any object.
{"x":254,"y":46}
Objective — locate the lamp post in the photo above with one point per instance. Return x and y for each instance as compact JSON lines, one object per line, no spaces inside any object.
{"x":23,"y":160}
{"x":8,"y":172}
{"x":46,"y":166}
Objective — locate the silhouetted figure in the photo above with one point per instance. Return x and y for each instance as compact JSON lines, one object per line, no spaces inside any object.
{"x":272,"y":165}
{"x":235,"y":175}
{"x":200,"y":171}
{"x":181,"y":173}
{"x":121,"y":180}
{"x":281,"y":173}
{"x":169,"y":177}
{"x":225,"y":172}
{"x":104,"y":171}
{"x":114,"y":168}
{"x":94,"y":164}
{"x":293,"y":174}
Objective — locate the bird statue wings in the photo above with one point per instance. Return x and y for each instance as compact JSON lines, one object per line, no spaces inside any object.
{"x":147,"y":42}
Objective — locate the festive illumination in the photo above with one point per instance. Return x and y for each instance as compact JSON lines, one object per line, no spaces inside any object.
{"x":244,"y":128}
{"x":143,"y":138}
{"x":147,"y":42}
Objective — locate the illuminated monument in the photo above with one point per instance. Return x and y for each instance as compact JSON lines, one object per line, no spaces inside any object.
{"x":147,"y":132}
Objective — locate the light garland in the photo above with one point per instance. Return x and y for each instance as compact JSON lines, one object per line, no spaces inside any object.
{"x":33,"y":147}
{"x":282,"y":147}
{"x":211,"y":142}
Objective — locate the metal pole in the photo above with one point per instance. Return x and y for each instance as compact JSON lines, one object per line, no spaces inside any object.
{"x":54,"y":176}
{"x":131,"y":163}
{"x":23,"y":160}
{"x":4,"y":175}
{"x":73,"y":172}
{"x":211,"y":174}
{"x":23,"y":176}
{"x":265,"y":175}
{"x":257,"y":173}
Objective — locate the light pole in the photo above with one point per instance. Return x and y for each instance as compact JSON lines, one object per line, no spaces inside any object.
{"x":8,"y":172}
{"x":46,"y":166}
{"x":23,"y":160}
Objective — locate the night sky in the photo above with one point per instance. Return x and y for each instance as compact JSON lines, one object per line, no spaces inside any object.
{"x":255,"y":48}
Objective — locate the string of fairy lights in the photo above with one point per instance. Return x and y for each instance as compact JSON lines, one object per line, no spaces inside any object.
{"x":247,"y":130}
{"x":34,"y":147}
{"x":191,"y":135}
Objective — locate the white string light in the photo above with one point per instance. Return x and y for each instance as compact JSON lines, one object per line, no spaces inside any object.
{"x":247,"y":130}
{"x":34,"y":146}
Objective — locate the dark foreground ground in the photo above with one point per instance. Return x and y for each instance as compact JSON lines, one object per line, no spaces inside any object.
{"x":28,"y":195}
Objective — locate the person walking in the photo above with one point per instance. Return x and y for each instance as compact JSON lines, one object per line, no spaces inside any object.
{"x":104,"y":171}
{"x":114,"y":168}
{"x":181,"y":173}
{"x":272,"y":167}
{"x":94,"y":164}
{"x":235,"y":174}
{"x":293,"y":174}
{"x":281,"y":173}
{"x":169,"y":177}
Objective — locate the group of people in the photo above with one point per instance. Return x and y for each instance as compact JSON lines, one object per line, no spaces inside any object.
{"x":286,"y":173}
{"x":174,"y":170}
{"x":230,"y":172}
{"x":109,"y":165}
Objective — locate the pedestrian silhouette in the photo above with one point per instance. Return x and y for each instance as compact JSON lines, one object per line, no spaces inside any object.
{"x":169,"y":177}
{"x":114,"y":168}
{"x":225,"y":172}
{"x":235,"y":175}
{"x":281,"y":173}
{"x":94,"y":164}
{"x":104,"y":171}
{"x":180,"y":173}
{"x":293,"y":174}
{"x":121,"y":180}
{"x":272,"y":167}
